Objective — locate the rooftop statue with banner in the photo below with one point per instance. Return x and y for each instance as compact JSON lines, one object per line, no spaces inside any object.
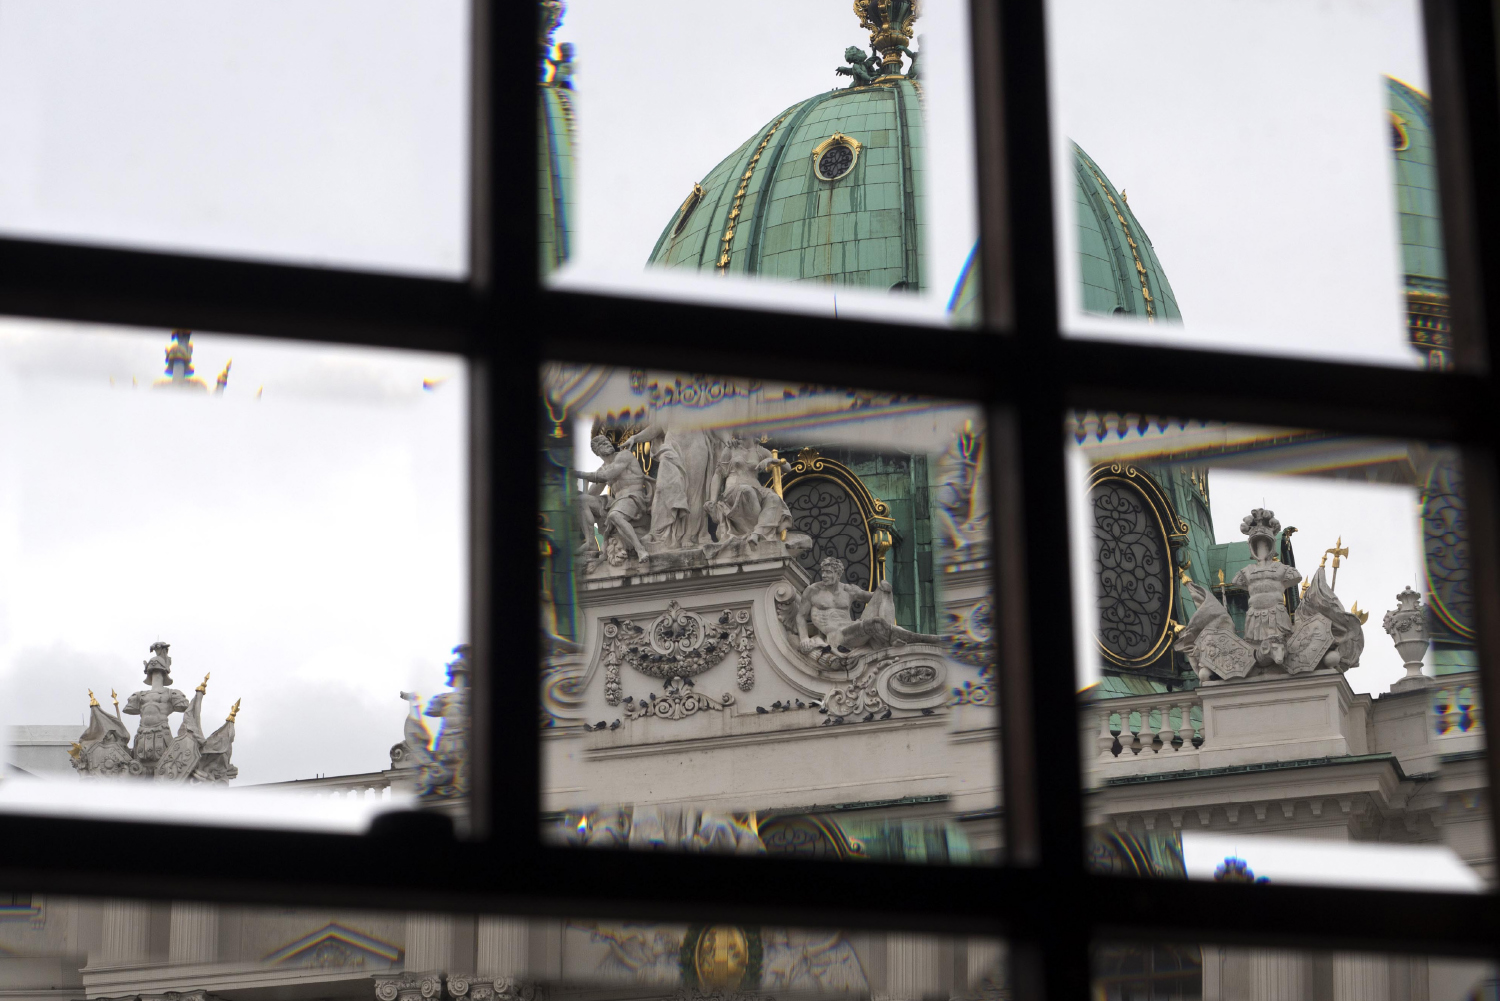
{"x":105,"y":747}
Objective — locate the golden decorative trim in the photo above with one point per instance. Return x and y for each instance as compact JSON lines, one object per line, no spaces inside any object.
{"x":875,"y":513}
{"x":838,"y":138}
{"x":203,"y":685}
{"x":691,"y":202}
{"x":1398,"y":126}
{"x":1140,"y":269}
{"x":739,"y":197}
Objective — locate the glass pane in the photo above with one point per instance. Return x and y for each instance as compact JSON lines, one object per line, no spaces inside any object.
{"x":330,"y":133}
{"x":1139,"y":971}
{"x":769,"y":623}
{"x":1239,"y":706}
{"x":803,"y":190}
{"x":102,"y":947}
{"x":1269,"y":183}
{"x":293,"y":527}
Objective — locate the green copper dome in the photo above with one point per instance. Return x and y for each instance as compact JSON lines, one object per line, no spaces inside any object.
{"x":1121,"y":274}
{"x":554,"y":142}
{"x":829,"y":190}
{"x":1421,"y":224}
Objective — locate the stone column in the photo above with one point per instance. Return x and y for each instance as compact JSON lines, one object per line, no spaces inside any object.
{"x":1359,"y":976}
{"x":986,"y":958}
{"x":1278,"y":975}
{"x":429,"y":942}
{"x":195,"y":934}
{"x":503,"y":947}
{"x":913,"y":967}
{"x":127,"y":933}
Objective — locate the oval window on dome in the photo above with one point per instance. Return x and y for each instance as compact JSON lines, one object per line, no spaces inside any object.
{"x":835,"y":157}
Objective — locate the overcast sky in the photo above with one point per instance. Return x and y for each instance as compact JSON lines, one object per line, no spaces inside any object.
{"x":1253,"y":140}
{"x":664,"y":93}
{"x":307,"y":547}
{"x":327,"y":132}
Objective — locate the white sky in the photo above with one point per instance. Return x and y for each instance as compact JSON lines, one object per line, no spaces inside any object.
{"x":1252,"y":137}
{"x":328,"y":132}
{"x":662,"y":97}
{"x":308,"y":547}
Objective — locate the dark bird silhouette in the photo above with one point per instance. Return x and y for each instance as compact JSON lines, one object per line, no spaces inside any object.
{"x":868,"y":717}
{"x":801,"y":704}
{"x":838,"y":719}
{"x":886,"y":714}
{"x":761,"y":709}
{"x":630,"y":698}
{"x":776,"y":704}
{"x":600,"y":725}
{"x":927,"y":712}
{"x":615,"y":725}
{"x":826,"y":722}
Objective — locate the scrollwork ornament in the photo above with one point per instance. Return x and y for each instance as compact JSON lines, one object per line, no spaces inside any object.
{"x":855,"y":698}
{"x":679,"y":702}
{"x":387,"y":989}
{"x":458,"y":984}
{"x":678,"y":643}
{"x":971,"y":694}
{"x":432,"y":985}
{"x":511,"y":989}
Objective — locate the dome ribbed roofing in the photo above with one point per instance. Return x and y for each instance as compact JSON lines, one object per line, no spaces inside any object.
{"x":766,"y":210}
{"x":1119,"y":269}
{"x":554,"y":143}
{"x":1417,"y":187}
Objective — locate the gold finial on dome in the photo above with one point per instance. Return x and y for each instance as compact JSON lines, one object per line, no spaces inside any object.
{"x":203,"y":685}
{"x":890,"y":24}
{"x":234,"y":711}
{"x":93,"y":702}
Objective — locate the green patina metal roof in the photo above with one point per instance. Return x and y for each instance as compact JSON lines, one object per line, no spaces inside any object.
{"x":1417,"y":188}
{"x":554,"y":123}
{"x":554,"y":176}
{"x":864,"y":228}
{"x":1121,"y":274}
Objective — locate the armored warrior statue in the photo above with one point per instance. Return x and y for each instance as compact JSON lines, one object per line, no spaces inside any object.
{"x":104,"y":747}
{"x":1324,"y":634}
{"x":154,"y":705}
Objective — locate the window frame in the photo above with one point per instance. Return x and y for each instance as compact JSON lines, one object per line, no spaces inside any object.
{"x":1019,"y":368}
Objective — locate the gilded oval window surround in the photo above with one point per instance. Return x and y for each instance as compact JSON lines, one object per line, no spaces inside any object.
{"x":835,"y":157}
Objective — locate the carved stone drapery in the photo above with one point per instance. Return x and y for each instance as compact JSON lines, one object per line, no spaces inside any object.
{"x":1133,"y":524}
{"x":678,"y":644}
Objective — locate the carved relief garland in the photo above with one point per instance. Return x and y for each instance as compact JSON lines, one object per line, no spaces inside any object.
{"x":678,"y":644}
{"x":679,"y":701}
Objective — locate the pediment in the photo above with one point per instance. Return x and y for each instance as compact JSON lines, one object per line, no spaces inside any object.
{"x":335,"y":945}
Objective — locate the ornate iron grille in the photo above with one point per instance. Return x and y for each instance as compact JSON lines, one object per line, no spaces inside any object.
{"x":1445,"y":541}
{"x":824,"y":510}
{"x":1132,"y":567}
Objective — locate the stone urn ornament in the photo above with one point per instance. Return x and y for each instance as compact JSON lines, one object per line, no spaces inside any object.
{"x":1407,"y":625}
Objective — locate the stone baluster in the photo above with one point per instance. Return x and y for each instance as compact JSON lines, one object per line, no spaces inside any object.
{"x":1106,"y":739}
{"x":1127,"y":739}
{"x":1185,"y":727}
{"x":1165,"y":730}
{"x":1147,"y":735}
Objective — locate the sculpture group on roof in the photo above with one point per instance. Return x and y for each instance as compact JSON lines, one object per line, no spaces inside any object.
{"x":105,"y":747}
{"x":1324,"y":635}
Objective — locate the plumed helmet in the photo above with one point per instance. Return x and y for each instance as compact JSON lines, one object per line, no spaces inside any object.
{"x":1260,"y":523}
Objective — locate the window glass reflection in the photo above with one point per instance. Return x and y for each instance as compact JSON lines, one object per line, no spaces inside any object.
{"x":801,"y":183}
{"x":768,"y":622}
{"x":1242,"y":712}
{"x":1208,"y":216}
{"x":223,"y":561}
